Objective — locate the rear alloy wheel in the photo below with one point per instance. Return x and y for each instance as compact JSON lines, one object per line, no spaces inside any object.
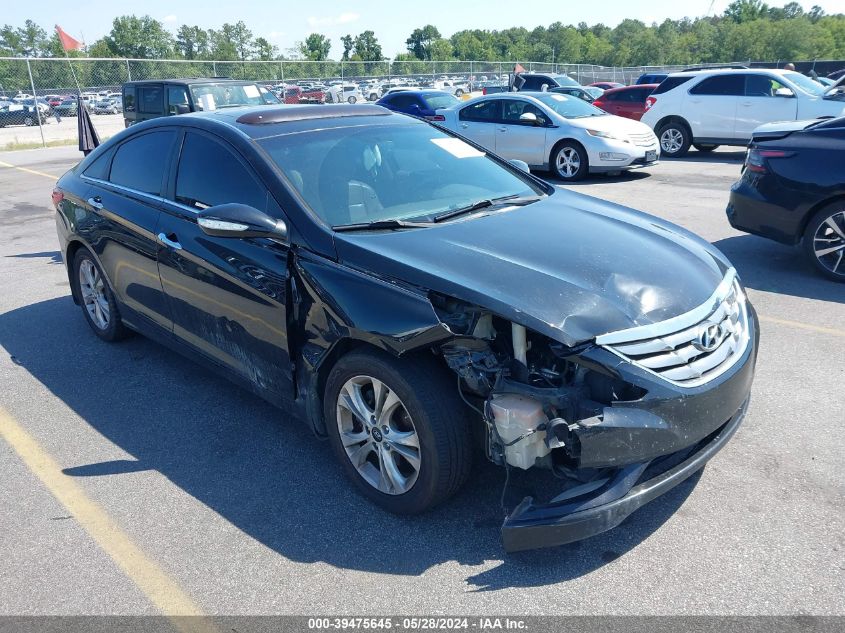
{"x":398,"y":430}
{"x":674,"y":139}
{"x":824,"y":241}
{"x":98,"y":302}
{"x":459,"y":92}
{"x":29,"y":121}
{"x":352,"y":99}
{"x":705,"y":148}
{"x":570,"y":162}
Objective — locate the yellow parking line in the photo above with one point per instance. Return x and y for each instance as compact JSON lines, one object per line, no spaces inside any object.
{"x":802,"y":326}
{"x":29,"y":171}
{"x":151,"y":579}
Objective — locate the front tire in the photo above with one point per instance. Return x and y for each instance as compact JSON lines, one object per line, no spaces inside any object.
{"x":675,"y":139}
{"x":824,"y":241}
{"x":96,"y":298}
{"x":570,"y":162}
{"x":351,"y":100}
{"x":398,"y":430}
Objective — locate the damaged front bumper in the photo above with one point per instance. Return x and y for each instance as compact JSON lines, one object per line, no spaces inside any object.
{"x":591,"y":509}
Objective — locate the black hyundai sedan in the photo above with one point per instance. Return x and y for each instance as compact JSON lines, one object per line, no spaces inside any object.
{"x":792,"y":190}
{"x":419,"y":302}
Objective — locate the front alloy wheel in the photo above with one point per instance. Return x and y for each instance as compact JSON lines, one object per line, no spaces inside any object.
{"x":825,"y":242}
{"x":378,"y":435}
{"x":570,"y":162}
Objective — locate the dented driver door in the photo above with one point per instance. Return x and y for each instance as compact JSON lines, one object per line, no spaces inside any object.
{"x":227,"y":295}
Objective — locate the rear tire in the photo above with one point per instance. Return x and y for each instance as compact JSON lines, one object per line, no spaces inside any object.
{"x":705,"y":148}
{"x":420,"y":426}
{"x":824,"y":241}
{"x":569,"y":161}
{"x":96,"y":298}
{"x":352,"y":99}
{"x":28,"y":121}
{"x":675,"y":139}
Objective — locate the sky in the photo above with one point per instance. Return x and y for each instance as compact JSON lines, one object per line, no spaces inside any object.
{"x":287,"y":22}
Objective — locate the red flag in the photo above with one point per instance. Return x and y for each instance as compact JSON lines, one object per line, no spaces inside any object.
{"x":518,"y":69}
{"x":68,"y":43}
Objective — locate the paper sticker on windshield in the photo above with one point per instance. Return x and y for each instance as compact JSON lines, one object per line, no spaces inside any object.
{"x":251,"y":91}
{"x":457,"y":148}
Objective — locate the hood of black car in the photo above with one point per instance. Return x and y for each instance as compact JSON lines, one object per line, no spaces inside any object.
{"x":570,"y":266}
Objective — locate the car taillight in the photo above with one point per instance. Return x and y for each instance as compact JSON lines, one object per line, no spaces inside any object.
{"x":484,"y":91}
{"x":436,"y":117}
{"x":58,"y":196}
{"x":755,"y":160}
{"x":598,"y":104}
{"x":650,"y":101}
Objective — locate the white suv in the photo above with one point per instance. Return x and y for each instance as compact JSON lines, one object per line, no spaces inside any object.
{"x":709,"y":108}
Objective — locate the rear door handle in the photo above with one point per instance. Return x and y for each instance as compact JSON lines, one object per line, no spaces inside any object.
{"x":96,"y":202}
{"x":503,"y":129}
{"x":747,"y":104}
{"x":464,"y":125}
{"x":176,"y":246}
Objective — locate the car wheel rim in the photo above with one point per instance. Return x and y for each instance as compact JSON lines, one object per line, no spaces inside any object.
{"x":671,"y":140}
{"x":93,"y":290}
{"x":568,"y":162}
{"x":378,"y":435}
{"x":829,"y":243}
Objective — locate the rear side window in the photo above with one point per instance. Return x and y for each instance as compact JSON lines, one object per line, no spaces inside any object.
{"x":209,"y":174}
{"x":536,"y":82}
{"x":151,"y":99}
{"x":129,"y":100}
{"x":139,"y":163}
{"x":670,"y":83}
{"x":403,"y":101}
{"x":485,"y":111}
{"x":721,"y":85}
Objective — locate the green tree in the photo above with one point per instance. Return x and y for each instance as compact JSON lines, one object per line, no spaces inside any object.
{"x":264,"y":50}
{"x":316,"y":47}
{"x":440,"y":50}
{"x":192,"y":42}
{"x":366,"y":47}
{"x":142,"y":38}
{"x":746,"y":10}
{"x":348,"y":45}
{"x":421,"y":40}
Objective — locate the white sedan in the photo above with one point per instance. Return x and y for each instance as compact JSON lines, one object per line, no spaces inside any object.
{"x":554,"y":131}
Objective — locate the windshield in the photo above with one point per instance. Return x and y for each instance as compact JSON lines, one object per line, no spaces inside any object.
{"x":568,"y":107}
{"x":806,"y":84}
{"x":360,"y":174}
{"x":564,"y":80}
{"x":230,"y":95}
{"x":436,"y":101}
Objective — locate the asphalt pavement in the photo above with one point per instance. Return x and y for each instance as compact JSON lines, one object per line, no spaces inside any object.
{"x":133,"y":481}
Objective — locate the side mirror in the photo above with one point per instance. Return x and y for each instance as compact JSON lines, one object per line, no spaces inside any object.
{"x":182,"y":109}
{"x":240,"y":220}
{"x":529,"y":117}
{"x":414,"y":107}
{"x":520,"y":164}
{"x":784,"y":92}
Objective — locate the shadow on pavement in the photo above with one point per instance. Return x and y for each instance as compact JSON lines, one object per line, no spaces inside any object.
{"x":265,"y":472}
{"x":55,"y":257}
{"x":773,"y":267}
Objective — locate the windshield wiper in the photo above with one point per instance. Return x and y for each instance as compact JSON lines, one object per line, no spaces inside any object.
{"x":379,"y":225}
{"x":515,"y":200}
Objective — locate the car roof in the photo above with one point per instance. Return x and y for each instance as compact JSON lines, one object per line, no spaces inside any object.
{"x":257,"y":122}
{"x":633,"y":87}
{"x":730,"y":71}
{"x":192,"y":80}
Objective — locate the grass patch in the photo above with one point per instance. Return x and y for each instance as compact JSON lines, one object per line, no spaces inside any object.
{"x":64,"y":142}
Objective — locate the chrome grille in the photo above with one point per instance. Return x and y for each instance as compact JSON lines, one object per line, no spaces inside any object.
{"x":692,"y":353}
{"x":643,"y":140}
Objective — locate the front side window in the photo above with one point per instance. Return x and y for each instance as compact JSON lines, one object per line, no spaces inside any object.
{"x":176,"y":96}
{"x":721,"y":86}
{"x":139,"y":163}
{"x":209,"y":174}
{"x":515,"y":108}
{"x":360,"y":174}
{"x":224,"y":95}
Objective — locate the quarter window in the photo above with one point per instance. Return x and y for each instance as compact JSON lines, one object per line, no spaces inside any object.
{"x":721,"y":85}
{"x":139,"y":163}
{"x":209,"y":175}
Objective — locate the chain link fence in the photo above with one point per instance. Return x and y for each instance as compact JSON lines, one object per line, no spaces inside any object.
{"x":58,"y":77}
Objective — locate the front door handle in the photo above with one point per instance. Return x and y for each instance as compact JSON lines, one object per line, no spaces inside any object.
{"x":464,"y":125}
{"x":96,"y":202}
{"x":176,"y":246}
{"x":503,"y":129}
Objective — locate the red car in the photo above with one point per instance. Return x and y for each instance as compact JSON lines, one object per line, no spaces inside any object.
{"x":628,"y":101}
{"x":607,"y":85}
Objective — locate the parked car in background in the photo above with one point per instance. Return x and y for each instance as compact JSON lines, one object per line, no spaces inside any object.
{"x":371,"y":274}
{"x":68,"y":107}
{"x":650,"y":78}
{"x":607,"y":85}
{"x":534,"y":81}
{"x":628,"y":101}
{"x":723,"y":107}
{"x":17,"y":114}
{"x":421,"y":103}
{"x":457,"y":88}
{"x":792,"y":190}
{"x":42,"y":105}
{"x":289,"y":94}
{"x":552,"y":131}
{"x":153,"y":98}
{"x":107,"y":106}
{"x":579,"y":92}
{"x":344,"y":93}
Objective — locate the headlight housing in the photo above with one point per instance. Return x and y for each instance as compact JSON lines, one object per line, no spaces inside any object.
{"x":607,"y":135}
